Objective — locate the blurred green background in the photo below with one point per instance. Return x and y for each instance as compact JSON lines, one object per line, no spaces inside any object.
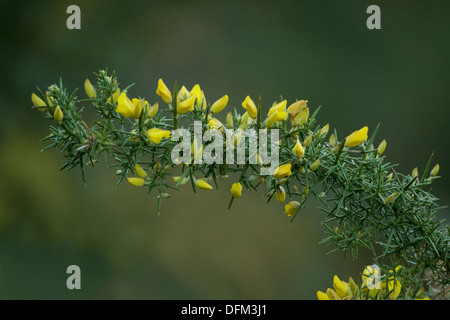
{"x":317,"y":50}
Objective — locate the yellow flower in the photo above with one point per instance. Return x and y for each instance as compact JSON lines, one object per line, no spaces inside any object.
{"x":202,"y":184}
{"x":58,"y":115}
{"x":236,"y":190}
{"x":139,"y":106}
{"x":89,"y":88}
{"x":301,"y":117}
{"x":434,"y":171}
{"x":340,"y":287}
{"x":394,"y":286}
{"x":155,"y":135}
{"x":370,"y":276}
{"x":250,"y":106}
{"x":220,"y":104}
{"x":153,"y":110}
{"x":280,"y":194}
{"x":282,"y":171}
{"x":140,"y":172}
{"x":298,"y":149}
{"x":230,"y":123}
{"x":381,"y":147}
{"x":274,"y":117}
{"x":183,"y":94}
{"x":291,"y":208}
{"x":137,"y":182}
{"x":322,"y":296}
{"x":198,"y":93}
{"x":125,"y":107}
{"x":215,"y":124}
{"x":356,"y":138}
{"x":177,"y":178}
{"x":278,"y":107}
{"x":164,"y":92}
{"x":296,"y":107}
{"x":186,"y":105}
{"x":314,"y":165}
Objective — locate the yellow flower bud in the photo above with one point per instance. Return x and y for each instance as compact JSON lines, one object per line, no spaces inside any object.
{"x":332,"y":294}
{"x":236,"y":190}
{"x":89,"y":88}
{"x":199,"y":95}
{"x":298,"y":149}
{"x":322,"y":296}
{"x":356,"y":138}
{"x":280,"y":194}
{"x":140,"y":172}
{"x":332,"y":140}
{"x":230,"y":123}
{"x":322,"y":132}
{"x":381,"y":147}
{"x":394,"y":287}
{"x":115,"y":97}
{"x":137,"y":182}
{"x":389,"y":177}
{"x":340,"y":287}
{"x":415,"y":173}
{"x":250,"y":106}
{"x":153,"y":110}
{"x":434,"y":171}
{"x":220,"y":104}
{"x":291,"y":208}
{"x":177,"y":178}
{"x":282,"y":171}
{"x":202,"y":184}
{"x":301,"y":117}
{"x":38,"y":102}
{"x":155,"y":135}
{"x":164,"y":92}
{"x":125,"y":107}
{"x":390,"y":198}
{"x":307,"y":140}
{"x":314,"y":165}
{"x":296,"y":107}
{"x":58,"y":115}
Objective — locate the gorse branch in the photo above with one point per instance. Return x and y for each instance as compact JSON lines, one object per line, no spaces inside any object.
{"x":367,"y":203}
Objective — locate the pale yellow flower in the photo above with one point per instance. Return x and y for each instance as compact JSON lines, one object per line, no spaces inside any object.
{"x":38,"y":102}
{"x":140,"y":172}
{"x":381,"y":147}
{"x":434,"y":171}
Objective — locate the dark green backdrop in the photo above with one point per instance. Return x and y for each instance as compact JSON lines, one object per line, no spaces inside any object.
{"x":317,"y":50}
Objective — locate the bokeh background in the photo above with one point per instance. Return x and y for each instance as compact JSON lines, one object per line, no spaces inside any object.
{"x":317,"y":50}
